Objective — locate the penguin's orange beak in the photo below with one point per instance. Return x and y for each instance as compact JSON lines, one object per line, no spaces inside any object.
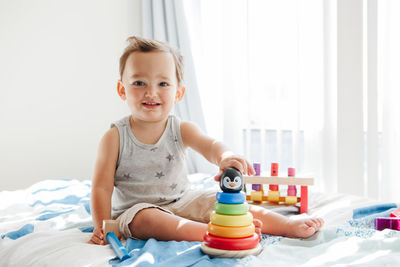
{"x":232,"y":185}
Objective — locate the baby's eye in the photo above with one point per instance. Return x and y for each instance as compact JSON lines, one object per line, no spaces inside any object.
{"x":163,"y":84}
{"x":138,"y":83}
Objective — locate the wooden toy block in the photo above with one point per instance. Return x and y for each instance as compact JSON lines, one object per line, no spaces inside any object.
{"x":111,"y":231}
{"x":256,"y":196}
{"x":290,"y":200}
{"x":273,"y":196}
{"x":382,"y":223}
{"x":110,"y":226}
{"x":304,"y":199}
{"x":257,"y":169}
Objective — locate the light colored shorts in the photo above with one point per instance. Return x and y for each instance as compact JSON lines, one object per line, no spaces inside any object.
{"x":195,"y":205}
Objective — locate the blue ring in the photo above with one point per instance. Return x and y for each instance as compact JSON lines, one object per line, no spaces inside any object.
{"x":231,"y":198}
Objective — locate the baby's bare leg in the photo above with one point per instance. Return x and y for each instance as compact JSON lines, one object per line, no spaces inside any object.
{"x":276,"y":224}
{"x":155,"y":223}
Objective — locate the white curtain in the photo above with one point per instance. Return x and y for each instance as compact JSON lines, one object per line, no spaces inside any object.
{"x":165,"y":20}
{"x":389,"y":96}
{"x":308,"y":84}
{"x":260,"y":69}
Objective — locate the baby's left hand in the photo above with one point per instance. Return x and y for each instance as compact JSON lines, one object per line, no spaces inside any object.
{"x":232,"y":160}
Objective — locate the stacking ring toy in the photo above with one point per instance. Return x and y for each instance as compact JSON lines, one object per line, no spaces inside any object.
{"x":231,"y":243}
{"x":231,"y":232}
{"x":231,"y":198}
{"x":231,"y":220}
{"x":231,"y":209}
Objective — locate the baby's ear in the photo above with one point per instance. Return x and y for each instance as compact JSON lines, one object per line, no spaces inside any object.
{"x":121,"y":90}
{"x":180,"y":92}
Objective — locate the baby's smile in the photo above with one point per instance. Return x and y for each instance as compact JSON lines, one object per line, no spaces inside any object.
{"x":151,"y":105}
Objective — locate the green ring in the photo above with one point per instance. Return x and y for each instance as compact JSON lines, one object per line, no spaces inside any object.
{"x":231,"y":209}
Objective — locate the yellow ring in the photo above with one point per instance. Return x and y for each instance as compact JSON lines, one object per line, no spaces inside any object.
{"x":231,"y":220}
{"x":231,"y":232}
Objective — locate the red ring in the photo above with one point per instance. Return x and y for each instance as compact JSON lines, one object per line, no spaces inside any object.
{"x":231,"y":243}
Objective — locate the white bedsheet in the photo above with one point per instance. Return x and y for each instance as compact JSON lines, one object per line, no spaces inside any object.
{"x":57,"y":239}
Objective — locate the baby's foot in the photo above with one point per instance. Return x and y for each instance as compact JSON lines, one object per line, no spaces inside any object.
{"x":304,"y":228}
{"x":258,"y":224}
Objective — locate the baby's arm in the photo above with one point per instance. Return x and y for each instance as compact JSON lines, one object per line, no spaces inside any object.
{"x":214,"y":151}
{"x":103,"y":183}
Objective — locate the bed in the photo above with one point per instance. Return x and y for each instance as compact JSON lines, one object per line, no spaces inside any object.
{"x":49,"y":223}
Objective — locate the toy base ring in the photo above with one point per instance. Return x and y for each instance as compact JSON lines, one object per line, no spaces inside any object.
{"x":243,"y":243}
{"x":222,"y":253}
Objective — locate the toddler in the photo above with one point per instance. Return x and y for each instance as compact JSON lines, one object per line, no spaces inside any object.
{"x":140,"y":176}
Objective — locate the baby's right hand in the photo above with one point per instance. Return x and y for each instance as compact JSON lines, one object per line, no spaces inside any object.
{"x":97,"y":237}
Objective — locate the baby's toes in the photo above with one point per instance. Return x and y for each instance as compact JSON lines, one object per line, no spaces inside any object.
{"x":311,"y":223}
{"x":304,"y":231}
{"x":318,"y":223}
{"x":258,"y":224}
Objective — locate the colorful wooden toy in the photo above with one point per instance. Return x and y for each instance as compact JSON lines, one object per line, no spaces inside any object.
{"x":274,"y":196}
{"x":387,"y":223}
{"x":111,"y":229}
{"x":231,"y":232}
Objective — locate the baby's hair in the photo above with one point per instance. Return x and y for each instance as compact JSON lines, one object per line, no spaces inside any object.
{"x":138,"y":44}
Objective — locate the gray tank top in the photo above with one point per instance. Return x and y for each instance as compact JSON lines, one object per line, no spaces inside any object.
{"x":149,"y":173}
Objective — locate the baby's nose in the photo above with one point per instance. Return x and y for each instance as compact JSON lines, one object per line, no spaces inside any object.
{"x":151,"y":91}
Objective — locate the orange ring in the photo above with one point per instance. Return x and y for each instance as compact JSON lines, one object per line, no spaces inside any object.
{"x":231,"y":232}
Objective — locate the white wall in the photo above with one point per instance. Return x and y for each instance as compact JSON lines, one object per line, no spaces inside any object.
{"x":58,"y":73}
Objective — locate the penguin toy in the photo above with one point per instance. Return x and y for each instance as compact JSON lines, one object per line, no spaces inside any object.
{"x":231,"y":181}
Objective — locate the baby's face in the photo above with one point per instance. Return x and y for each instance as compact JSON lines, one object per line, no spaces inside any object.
{"x":151,"y":86}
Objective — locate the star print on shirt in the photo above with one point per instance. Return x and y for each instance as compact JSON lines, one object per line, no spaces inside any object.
{"x":173,"y":186}
{"x":153,"y":149}
{"x":127,"y":176}
{"x":159,"y":174}
{"x":162,"y":199}
{"x":170,"y":157}
{"x":176,"y":139}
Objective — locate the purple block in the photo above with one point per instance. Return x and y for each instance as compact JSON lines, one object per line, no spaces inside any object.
{"x":256,"y":187}
{"x":387,"y":223}
{"x":257,"y":167}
